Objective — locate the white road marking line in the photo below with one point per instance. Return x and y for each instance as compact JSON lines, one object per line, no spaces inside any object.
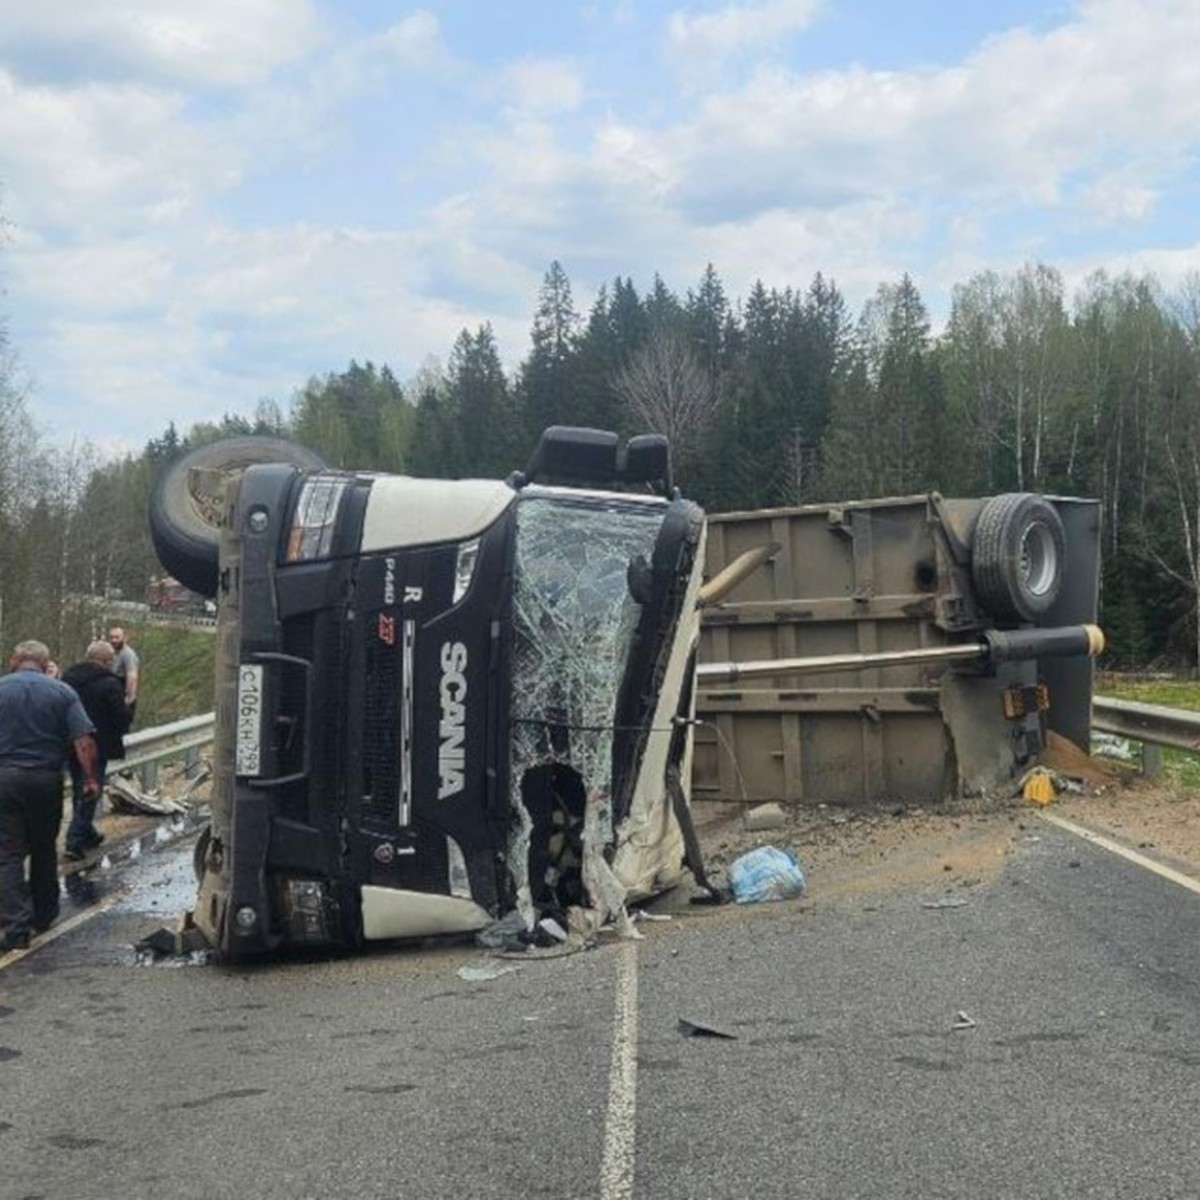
{"x":620,"y":1123}
{"x":1098,"y":839}
{"x":56,"y":931}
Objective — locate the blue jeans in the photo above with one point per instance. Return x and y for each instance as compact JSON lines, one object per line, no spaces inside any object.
{"x":81,"y":833}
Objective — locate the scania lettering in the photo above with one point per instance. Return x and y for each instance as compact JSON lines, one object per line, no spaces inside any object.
{"x":451,"y":754}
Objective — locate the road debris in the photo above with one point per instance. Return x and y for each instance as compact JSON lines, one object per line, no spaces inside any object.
{"x":1042,"y":784}
{"x":553,"y":929}
{"x":165,"y":941}
{"x":484,"y":972}
{"x":963,"y":1021}
{"x":125,"y":796}
{"x":765,"y":816}
{"x":690,"y":1028}
{"x":1037,"y":786}
{"x":508,"y":933}
{"x":945,"y":902}
{"x":767,"y":873}
{"x":1108,"y":745}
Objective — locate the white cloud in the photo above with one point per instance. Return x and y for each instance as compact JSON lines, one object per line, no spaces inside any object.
{"x":1016,"y":121}
{"x":134,"y":290}
{"x":210,"y":327}
{"x":697,"y":45}
{"x":126,"y":277}
{"x":128,"y":290}
{"x":1114,"y":200}
{"x":224,"y":43}
{"x":863,"y":173}
{"x":416,"y":41}
{"x":1171,"y":267}
{"x":115,"y":156}
{"x":413,"y":44}
{"x":543,"y":85}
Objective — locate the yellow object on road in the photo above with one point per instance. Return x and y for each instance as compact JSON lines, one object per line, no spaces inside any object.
{"x":1039,"y":787}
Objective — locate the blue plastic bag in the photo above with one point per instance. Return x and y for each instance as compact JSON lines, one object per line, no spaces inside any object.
{"x":767,"y":873}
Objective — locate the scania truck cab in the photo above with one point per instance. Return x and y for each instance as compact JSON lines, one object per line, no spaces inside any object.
{"x":438,"y":701}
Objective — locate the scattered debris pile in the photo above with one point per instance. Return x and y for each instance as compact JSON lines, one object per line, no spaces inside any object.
{"x":125,"y":796}
{"x":1065,"y":769}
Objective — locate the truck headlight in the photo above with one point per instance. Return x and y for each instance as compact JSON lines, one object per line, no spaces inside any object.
{"x":245,"y":919}
{"x":315,"y":517}
{"x":464,"y":568}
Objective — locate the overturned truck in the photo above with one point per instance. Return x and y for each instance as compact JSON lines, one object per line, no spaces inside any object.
{"x":440,"y":702}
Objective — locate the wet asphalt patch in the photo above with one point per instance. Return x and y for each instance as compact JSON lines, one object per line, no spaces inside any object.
{"x":150,"y":875}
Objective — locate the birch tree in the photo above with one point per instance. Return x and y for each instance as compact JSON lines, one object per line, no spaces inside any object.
{"x":668,"y":390}
{"x":1181,"y":450}
{"x":1006,"y":357}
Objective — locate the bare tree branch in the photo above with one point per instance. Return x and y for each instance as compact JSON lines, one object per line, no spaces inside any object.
{"x":666,"y":388}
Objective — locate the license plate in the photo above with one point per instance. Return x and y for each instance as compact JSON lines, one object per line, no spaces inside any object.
{"x":248,"y":756}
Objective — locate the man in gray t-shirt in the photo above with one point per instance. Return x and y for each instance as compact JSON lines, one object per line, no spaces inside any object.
{"x":41,"y":722}
{"x":126,"y":667}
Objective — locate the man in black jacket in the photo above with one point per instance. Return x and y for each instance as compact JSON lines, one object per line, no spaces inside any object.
{"x":103,"y":697}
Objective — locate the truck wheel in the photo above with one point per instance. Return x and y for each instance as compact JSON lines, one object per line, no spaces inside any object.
{"x":187,"y":502}
{"x":1019,"y":555}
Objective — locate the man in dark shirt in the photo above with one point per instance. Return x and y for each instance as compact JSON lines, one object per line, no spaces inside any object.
{"x":40,"y":720}
{"x":103,"y":697}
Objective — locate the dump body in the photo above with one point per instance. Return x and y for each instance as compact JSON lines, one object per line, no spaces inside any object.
{"x":876,"y":576}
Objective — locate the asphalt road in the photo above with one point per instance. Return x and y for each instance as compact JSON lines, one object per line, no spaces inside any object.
{"x":1078,"y":1073}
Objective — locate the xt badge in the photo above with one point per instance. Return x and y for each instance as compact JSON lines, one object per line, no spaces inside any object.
{"x":452,"y":731}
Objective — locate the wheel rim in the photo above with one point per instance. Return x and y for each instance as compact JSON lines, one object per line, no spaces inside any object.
{"x":1039,"y":559}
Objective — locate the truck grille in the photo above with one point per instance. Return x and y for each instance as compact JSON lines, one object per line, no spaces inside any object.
{"x":381,"y":722}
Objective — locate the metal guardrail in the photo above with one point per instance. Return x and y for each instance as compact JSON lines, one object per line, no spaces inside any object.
{"x":188,"y":620}
{"x":1154,"y":725}
{"x":1150,"y":724}
{"x":147,"y":749}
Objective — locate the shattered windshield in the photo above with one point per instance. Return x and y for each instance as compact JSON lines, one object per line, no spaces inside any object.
{"x":573,"y":621}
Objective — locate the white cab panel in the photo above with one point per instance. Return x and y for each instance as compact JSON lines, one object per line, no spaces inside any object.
{"x":402,"y":511}
{"x":395,"y":913}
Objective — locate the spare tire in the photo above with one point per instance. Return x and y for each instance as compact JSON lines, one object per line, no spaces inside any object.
{"x":1018,"y":556}
{"x":187,"y":502}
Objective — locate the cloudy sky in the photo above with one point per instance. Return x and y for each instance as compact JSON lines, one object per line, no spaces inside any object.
{"x":207,"y":203}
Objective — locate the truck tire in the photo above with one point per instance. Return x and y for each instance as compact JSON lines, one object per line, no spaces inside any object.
{"x":187,"y":501}
{"x":1018,"y":556}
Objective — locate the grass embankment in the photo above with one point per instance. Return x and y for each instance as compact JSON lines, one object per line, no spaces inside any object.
{"x":1181,"y":768}
{"x":177,"y":672}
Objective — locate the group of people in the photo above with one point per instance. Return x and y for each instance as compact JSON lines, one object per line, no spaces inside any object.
{"x":49,"y":722}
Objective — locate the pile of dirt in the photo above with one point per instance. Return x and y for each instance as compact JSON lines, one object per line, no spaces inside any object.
{"x":854,"y":851}
{"x":1063,"y":756}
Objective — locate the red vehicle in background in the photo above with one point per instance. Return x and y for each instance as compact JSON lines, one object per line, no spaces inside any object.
{"x":168,"y":595}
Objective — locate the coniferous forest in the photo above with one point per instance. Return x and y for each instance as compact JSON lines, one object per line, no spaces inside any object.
{"x":780,"y":397}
